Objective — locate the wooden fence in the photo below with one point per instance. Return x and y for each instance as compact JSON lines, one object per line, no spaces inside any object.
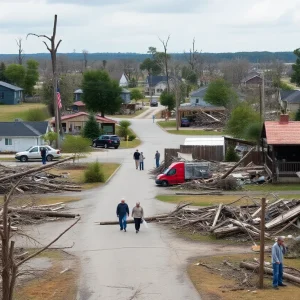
{"x":204,"y":152}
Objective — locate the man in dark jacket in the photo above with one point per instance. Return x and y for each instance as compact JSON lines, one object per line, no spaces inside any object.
{"x":44,"y":155}
{"x":136,"y":157}
{"x":122,"y":213}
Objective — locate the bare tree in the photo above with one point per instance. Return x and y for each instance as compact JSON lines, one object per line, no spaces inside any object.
{"x":85,"y":58}
{"x":165,"y":45}
{"x":53,"y":51}
{"x":104,"y":63}
{"x":235,"y":70}
{"x":20,"y":51}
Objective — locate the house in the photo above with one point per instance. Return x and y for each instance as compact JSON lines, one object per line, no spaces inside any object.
{"x":125,"y":95}
{"x":253,"y":79}
{"x":19,"y":136}
{"x":78,"y":95}
{"x":292,"y":99}
{"x":281,"y":149}
{"x":197,"y":97}
{"x":10,"y":94}
{"x":120,"y":77}
{"x":155,"y":85}
{"x":78,"y":106}
{"x":74,"y":123}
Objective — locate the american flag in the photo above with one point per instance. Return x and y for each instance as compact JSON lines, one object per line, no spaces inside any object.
{"x":59,"y":105}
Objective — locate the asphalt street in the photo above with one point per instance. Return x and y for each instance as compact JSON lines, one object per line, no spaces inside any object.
{"x":117,"y":265}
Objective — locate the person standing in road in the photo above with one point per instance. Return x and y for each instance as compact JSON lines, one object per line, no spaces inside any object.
{"x":142,"y":158}
{"x":136,"y":157}
{"x":137,"y":214}
{"x":153,"y":118}
{"x":157,"y":158}
{"x":278,"y":250}
{"x":44,"y":155}
{"x":122,"y":213}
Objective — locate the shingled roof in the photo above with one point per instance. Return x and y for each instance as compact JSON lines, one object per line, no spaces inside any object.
{"x":22,"y":129}
{"x":10,"y":86}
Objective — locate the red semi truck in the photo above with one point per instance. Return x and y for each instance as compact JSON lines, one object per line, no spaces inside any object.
{"x":179,"y":172}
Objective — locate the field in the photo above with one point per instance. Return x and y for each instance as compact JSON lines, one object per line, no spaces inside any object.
{"x":11,"y":112}
{"x":167,"y":124}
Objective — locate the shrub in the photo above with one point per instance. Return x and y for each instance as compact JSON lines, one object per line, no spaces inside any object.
{"x":77,"y":145}
{"x":94,"y":173}
{"x":231,"y":155}
{"x":124,"y":130}
{"x":91,"y":128}
{"x":131,"y":137}
{"x":36,"y":114}
{"x":50,"y":137}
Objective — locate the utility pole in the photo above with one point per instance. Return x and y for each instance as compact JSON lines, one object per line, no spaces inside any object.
{"x":262,"y":104}
{"x":262,"y":244}
{"x":150,"y":86}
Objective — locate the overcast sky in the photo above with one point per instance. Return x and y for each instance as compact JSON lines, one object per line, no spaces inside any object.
{"x":134,"y":25}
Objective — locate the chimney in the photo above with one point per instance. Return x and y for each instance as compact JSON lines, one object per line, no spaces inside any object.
{"x":284,"y":119}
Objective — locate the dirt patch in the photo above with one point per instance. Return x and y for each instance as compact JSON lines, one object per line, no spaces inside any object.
{"x":59,"y":282}
{"x":215,"y":280}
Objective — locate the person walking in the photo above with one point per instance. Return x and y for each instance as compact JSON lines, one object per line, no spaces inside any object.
{"x":122,"y":213}
{"x":278,"y":250}
{"x":157,"y":158}
{"x":153,"y":118}
{"x":137,"y":214}
{"x":136,"y":157}
{"x":44,"y":155}
{"x":142,"y":158}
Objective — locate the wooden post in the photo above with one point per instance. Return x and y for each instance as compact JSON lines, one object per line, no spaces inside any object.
{"x":262,"y":243}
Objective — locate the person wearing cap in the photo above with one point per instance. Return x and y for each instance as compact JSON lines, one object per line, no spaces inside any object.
{"x":122,"y":213}
{"x":136,"y":157}
{"x":137,"y":214}
{"x":278,"y":250}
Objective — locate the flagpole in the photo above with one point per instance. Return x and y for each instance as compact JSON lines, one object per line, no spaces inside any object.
{"x":56,"y":114}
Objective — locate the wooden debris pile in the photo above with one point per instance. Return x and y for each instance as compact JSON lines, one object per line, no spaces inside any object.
{"x":215,"y":120}
{"x":38,"y":182}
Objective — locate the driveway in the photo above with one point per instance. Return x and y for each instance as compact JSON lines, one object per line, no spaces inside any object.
{"x":117,"y":265}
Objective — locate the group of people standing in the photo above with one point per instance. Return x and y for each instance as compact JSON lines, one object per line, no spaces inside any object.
{"x":123,"y":212}
{"x":139,"y":159}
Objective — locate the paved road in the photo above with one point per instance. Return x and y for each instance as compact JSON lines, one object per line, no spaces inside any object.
{"x":116,"y":265}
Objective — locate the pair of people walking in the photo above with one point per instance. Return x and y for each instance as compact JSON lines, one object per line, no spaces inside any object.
{"x":123,"y":213}
{"x":139,"y":160}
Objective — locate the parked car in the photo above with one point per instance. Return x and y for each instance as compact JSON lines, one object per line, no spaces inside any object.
{"x":153,"y":103}
{"x":107,"y":141}
{"x":34,"y":153}
{"x":185,"y":122}
{"x":179,"y":172}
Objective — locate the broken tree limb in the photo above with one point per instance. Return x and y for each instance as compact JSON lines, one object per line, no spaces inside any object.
{"x":286,"y":226}
{"x":34,"y":170}
{"x":269,"y":271}
{"x":237,"y":164}
{"x":217,"y":215}
{"x":41,"y":213}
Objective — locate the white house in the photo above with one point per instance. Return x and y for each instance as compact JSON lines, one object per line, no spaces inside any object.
{"x":120,"y":76}
{"x":197,"y":97}
{"x":157,"y":84}
{"x":19,"y":136}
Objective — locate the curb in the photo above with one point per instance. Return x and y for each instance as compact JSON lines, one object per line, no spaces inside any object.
{"x":113,"y":174}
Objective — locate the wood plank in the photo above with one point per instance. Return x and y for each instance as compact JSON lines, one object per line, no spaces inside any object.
{"x":217,"y":215}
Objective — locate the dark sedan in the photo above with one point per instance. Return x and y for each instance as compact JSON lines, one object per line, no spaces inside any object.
{"x":185,"y":122}
{"x":107,"y":141}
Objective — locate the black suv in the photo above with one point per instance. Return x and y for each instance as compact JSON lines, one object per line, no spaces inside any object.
{"x":107,"y":141}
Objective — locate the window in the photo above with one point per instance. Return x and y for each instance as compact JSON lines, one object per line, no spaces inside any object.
{"x":1,"y":95}
{"x":197,"y":101}
{"x":35,"y":149}
{"x":8,"y":142}
{"x":172,"y":172}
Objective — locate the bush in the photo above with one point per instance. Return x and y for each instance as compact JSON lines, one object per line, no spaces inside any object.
{"x":50,"y":137}
{"x":91,"y":128}
{"x":231,"y":155}
{"x":36,"y":114}
{"x":131,"y":137}
{"x":77,"y":145}
{"x":94,"y":173}
{"x":124,"y":130}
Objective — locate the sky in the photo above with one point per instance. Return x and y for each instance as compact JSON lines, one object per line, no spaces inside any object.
{"x":134,"y":25}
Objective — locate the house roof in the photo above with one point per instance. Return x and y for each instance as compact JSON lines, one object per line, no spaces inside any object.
{"x":23,"y":129}
{"x":292,"y":97}
{"x":282,"y":133}
{"x":10,"y":86}
{"x":250,"y":76}
{"x":79,"y":91}
{"x":156,"y":79}
{"x":79,"y":103}
{"x":98,"y":118}
{"x":117,"y":75}
{"x":199,"y":93}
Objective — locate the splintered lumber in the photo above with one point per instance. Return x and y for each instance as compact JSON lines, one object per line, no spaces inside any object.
{"x":36,"y":212}
{"x":284,"y":217}
{"x":217,"y":215}
{"x":237,"y":164}
{"x":226,"y":230}
{"x":268,"y":271}
{"x":34,"y":170}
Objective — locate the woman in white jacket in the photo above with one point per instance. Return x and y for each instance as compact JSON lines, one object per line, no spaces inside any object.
{"x":142,"y":158}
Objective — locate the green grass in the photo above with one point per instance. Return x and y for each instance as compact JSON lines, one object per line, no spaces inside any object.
{"x":11,"y":112}
{"x":137,"y":113}
{"x":194,"y":132}
{"x":273,"y":187}
{"x":166,"y":124}
{"x":128,"y":144}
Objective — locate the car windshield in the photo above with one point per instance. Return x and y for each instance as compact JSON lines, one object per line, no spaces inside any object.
{"x":166,"y":171}
{"x":28,"y":148}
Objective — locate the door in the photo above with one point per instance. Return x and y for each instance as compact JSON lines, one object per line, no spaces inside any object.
{"x":100,"y":141}
{"x":34,"y":153}
{"x":172,"y":177}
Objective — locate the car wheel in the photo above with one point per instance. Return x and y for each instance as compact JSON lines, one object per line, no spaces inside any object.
{"x":49,"y":158}
{"x":94,"y":145}
{"x":23,"y":158}
{"x":165,"y":183}
{"x":116,"y":147}
{"x":105,"y":146}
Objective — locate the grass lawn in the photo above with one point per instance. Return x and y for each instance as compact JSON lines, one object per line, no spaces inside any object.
{"x":218,"y":285}
{"x":137,"y":113}
{"x":194,"y":132}
{"x":128,"y":144}
{"x":166,"y":124}
{"x":11,"y":112}
{"x":273,"y":187}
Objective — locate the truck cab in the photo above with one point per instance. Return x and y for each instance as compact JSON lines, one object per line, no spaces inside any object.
{"x":179,"y":172}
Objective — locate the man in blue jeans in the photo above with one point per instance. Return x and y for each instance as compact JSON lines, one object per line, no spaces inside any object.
{"x":278,"y":250}
{"x":122,"y":213}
